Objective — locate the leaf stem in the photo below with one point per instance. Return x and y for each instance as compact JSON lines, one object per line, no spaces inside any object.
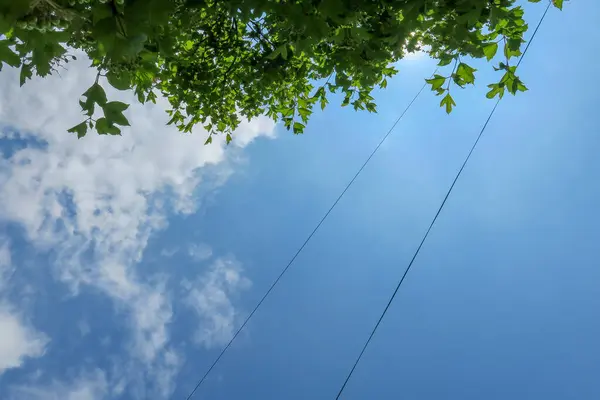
{"x":453,"y":70}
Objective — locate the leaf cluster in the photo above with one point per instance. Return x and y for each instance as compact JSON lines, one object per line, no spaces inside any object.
{"x":218,"y":61}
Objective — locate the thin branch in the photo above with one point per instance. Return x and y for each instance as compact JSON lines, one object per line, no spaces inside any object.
{"x":260,"y":33}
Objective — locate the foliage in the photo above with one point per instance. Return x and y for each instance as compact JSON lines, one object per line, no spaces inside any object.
{"x":217,"y":61}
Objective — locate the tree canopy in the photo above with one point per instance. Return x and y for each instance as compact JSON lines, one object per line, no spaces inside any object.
{"x":217,"y":61}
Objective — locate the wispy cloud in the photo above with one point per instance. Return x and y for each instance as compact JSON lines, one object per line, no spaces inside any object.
{"x":91,"y":385}
{"x":211,"y":297}
{"x":200,"y":251}
{"x":169,"y":252}
{"x":18,"y":339}
{"x":84,"y":327}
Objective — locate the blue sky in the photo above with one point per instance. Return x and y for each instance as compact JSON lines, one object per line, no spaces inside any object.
{"x":127,"y":263}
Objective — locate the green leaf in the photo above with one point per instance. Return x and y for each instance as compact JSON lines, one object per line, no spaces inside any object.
{"x":101,"y":11}
{"x":104,"y":127}
{"x":228,"y":138}
{"x":302,"y":102}
{"x":512,"y":48}
{"x":130,"y":46}
{"x":116,"y":106}
{"x":166,"y":44}
{"x":448,"y":101}
{"x":515,"y":85}
{"x":298,"y":128}
{"x":121,"y":81}
{"x":446,"y":59}
{"x":520,"y":86}
{"x":324,"y":102}
{"x":88,"y":107}
{"x":5,"y":25}
{"x":279,"y":51}
{"x":389,"y":71}
{"x":208,"y":140}
{"x":25,"y":73}
{"x":285,"y":112}
{"x":490,"y":50}
{"x":113,"y":112}
{"x":347,"y":98}
{"x":96,"y":94}
{"x":304,"y":113}
{"x":7,"y":55}
{"x":80,"y":129}
{"x":151,"y":97}
{"x":558,"y":4}
{"x":501,"y":66}
{"x":287,"y":122}
{"x":466,"y":73}
{"x":357,"y":104}
{"x":140,"y":96}
{"x":495,"y":90}
{"x":436,"y":82}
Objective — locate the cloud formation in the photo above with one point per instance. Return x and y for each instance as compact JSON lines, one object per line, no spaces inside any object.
{"x":211,"y":296}
{"x":87,"y":386}
{"x":18,"y":339}
{"x":94,"y":203}
{"x":199,"y":251}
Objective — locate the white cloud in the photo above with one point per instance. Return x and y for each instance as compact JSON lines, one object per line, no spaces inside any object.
{"x":200,"y":251}
{"x":170,"y":364}
{"x":153,"y":381}
{"x":95,"y":202}
{"x":87,"y":386}
{"x":84,"y":327}
{"x":210,"y":297}
{"x":151,"y":312}
{"x":169,"y":252}
{"x":196,"y":251}
{"x":18,"y":339}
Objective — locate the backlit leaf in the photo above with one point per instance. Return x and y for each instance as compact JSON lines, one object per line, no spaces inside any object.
{"x":436,"y":82}
{"x":448,"y":101}
{"x":490,"y":50}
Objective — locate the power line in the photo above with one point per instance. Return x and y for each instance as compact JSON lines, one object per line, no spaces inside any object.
{"x":389,"y":303}
{"x":276,"y":281}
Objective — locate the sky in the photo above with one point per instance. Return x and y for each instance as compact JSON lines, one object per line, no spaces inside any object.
{"x":127,"y":263}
